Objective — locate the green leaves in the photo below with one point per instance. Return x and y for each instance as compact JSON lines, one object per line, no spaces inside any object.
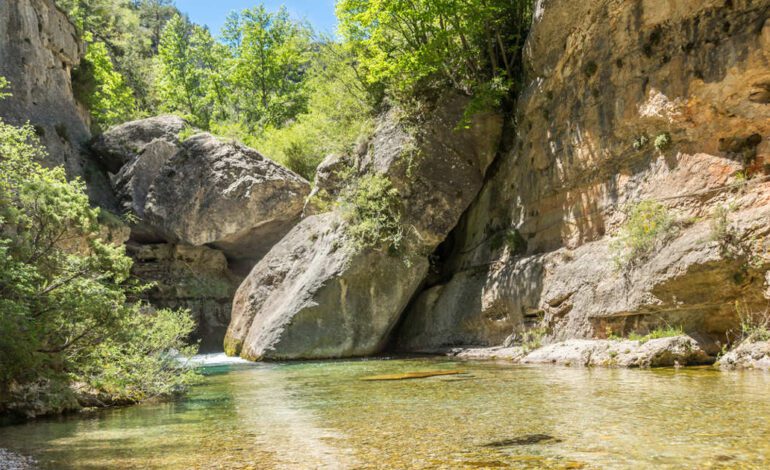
{"x":373,"y":207}
{"x":65,"y":308}
{"x":270,"y":55}
{"x":409,"y":46}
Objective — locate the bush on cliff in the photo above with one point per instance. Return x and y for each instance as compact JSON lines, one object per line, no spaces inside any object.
{"x":372,"y":208}
{"x":67,"y":310}
{"x":649,"y":224}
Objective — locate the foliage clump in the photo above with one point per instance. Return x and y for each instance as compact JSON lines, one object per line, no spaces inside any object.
{"x":103,"y":89}
{"x":640,"y":142}
{"x":663,"y":141}
{"x":404,"y":47}
{"x":649,"y":224}
{"x":67,"y":303}
{"x":373,"y":210}
{"x":667,"y":331}
{"x":754,"y":326}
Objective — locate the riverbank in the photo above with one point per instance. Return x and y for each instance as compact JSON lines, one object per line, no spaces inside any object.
{"x":674,"y":351}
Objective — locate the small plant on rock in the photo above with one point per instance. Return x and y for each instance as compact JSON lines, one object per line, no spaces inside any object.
{"x":640,"y":142}
{"x":533,"y":338}
{"x":649,"y":224}
{"x":663,"y":141}
{"x":372,"y":208}
{"x":667,"y":331}
{"x":754,"y":326}
{"x":721,"y":230}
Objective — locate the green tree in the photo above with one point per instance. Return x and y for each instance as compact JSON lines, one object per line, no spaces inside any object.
{"x":67,"y":308}
{"x":103,"y":89}
{"x":339,"y":113}
{"x":271,"y":53}
{"x":404,"y":47}
{"x":181,"y":80}
{"x":153,"y":16}
{"x":130,"y":30}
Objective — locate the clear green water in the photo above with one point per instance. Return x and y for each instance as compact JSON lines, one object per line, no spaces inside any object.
{"x":321,"y":415}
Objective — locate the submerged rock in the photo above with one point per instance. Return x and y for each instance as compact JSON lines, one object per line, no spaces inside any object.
{"x":412,"y":375}
{"x":318,"y":294}
{"x":747,"y":355}
{"x":13,"y":461}
{"x":526,"y":440}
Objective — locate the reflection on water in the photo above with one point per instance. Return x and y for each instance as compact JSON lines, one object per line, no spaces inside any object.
{"x":321,"y":415}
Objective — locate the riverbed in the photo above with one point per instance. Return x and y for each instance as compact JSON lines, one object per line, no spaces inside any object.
{"x":490,"y":415}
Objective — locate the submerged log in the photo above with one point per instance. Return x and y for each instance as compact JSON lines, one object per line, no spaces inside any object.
{"x":413,"y":375}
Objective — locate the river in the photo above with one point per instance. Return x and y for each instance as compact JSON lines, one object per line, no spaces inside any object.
{"x":495,"y":415}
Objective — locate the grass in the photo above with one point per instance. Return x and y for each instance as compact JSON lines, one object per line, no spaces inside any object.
{"x":754,"y":326}
{"x":667,"y":331}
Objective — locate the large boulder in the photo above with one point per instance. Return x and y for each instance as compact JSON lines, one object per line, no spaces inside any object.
{"x":661,"y":352}
{"x":319,"y":293}
{"x":200,"y":191}
{"x":225,"y":195}
{"x":127,"y":142}
{"x":136,"y":152}
{"x":315,"y":296}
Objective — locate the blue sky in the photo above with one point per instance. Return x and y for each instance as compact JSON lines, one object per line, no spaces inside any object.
{"x":320,"y":13}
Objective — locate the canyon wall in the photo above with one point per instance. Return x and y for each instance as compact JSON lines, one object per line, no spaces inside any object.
{"x":627,"y":102}
{"x":39,"y":48}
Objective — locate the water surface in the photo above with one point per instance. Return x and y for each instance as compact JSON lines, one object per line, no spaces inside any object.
{"x":322,"y":415}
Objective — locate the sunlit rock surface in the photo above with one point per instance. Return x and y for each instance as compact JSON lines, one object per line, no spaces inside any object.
{"x":316,"y":294}
{"x":606,"y":80}
{"x":200,"y":190}
{"x":748,"y":355}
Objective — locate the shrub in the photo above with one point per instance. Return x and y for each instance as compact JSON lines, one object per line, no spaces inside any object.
{"x":663,"y":141}
{"x":373,"y":210}
{"x":649,"y":223}
{"x":640,"y":142}
{"x":404,"y":47}
{"x":754,"y":326}
{"x":103,"y":89}
{"x":187,"y":132}
{"x":533,"y":338}
{"x":66,"y":309}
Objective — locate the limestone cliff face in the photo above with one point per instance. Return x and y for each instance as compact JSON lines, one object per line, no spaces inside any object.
{"x":38,"y":50}
{"x":607,"y":80}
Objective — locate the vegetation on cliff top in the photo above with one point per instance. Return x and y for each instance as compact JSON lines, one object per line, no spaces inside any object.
{"x":272,"y":83}
{"x":67,"y":304}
